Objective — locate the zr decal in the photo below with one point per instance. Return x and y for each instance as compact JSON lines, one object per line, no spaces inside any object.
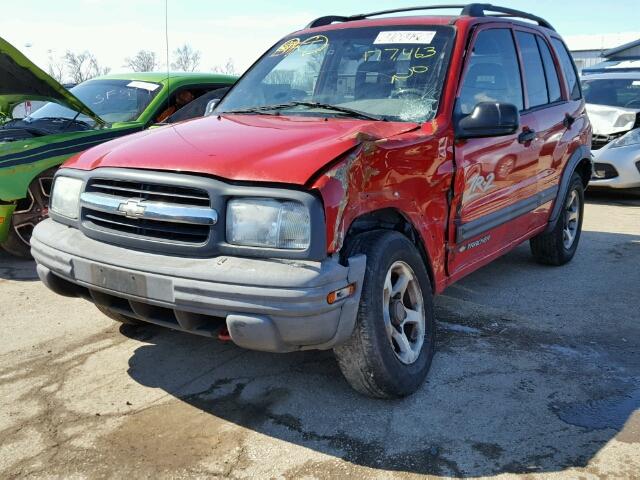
{"x":479,"y":184}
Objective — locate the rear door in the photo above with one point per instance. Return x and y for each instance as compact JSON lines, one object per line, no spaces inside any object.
{"x":545,"y":100}
{"x":576,"y":130}
{"x":496,"y":178}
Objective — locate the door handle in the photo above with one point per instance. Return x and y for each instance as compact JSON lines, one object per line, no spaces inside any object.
{"x":527,"y":136}
{"x":568,"y":121}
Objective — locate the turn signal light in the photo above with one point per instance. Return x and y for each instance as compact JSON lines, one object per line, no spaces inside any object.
{"x":341,"y":294}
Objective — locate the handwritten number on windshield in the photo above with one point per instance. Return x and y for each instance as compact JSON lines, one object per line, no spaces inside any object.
{"x":412,"y":71}
{"x":316,"y":44}
{"x":399,"y":54}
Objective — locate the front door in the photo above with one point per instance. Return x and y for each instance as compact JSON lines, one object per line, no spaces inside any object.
{"x":496,"y":183}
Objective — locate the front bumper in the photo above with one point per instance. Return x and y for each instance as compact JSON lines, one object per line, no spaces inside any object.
{"x":5,"y":220}
{"x":625,"y":160}
{"x":267,"y":304}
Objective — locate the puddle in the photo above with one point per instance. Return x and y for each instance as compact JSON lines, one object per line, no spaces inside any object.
{"x":612,"y":412}
{"x":454,"y":327}
{"x":573,"y":352}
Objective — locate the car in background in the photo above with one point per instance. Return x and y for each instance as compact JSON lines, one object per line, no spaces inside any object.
{"x":613,"y":66}
{"x":68,"y":122}
{"x":613,"y":104}
{"x":201,"y":107}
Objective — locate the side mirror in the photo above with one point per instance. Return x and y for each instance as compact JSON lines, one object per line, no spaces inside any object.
{"x":489,"y":119}
{"x":211,"y":106}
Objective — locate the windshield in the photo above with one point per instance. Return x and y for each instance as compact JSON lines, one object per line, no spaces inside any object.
{"x":112,"y":100}
{"x":618,"y":92}
{"x":390,"y":73}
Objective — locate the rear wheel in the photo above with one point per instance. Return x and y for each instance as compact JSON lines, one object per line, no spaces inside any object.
{"x":558,"y":246}
{"x":391,"y":348}
{"x":29,"y":212}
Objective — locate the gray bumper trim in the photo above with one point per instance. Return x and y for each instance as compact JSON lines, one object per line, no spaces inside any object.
{"x":271,"y":305}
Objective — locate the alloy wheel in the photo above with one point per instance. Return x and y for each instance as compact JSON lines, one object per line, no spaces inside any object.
{"x":32,"y":209}
{"x":403,"y":312}
{"x":571,"y":219}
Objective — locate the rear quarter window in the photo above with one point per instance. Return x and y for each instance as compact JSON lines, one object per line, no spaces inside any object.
{"x":568,"y":68}
{"x":553,"y":83}
{"x":534,"y":76}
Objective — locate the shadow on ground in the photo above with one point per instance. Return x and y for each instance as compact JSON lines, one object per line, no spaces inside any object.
{"x":537,"y":370}
{"x":12,"y":268}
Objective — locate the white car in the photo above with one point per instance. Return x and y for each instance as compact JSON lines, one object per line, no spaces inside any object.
{"x":613,"y":105}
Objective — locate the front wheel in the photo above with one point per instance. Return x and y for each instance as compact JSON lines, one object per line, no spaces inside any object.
{"x":558,"y":246}
{"x":29,"y":212}
{"x":390,"y":351}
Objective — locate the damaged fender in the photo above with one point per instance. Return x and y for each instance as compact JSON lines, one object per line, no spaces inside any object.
{"x":391,"y":173}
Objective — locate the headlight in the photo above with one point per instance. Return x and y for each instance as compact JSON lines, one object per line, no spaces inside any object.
{"x":625,"y":119}
{"x":630,"y":138}
{"x":65,"y":198}
{"x":265,"y":222}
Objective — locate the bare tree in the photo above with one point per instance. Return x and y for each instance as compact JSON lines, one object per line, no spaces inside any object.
{"x":185,"y":59}
{"x":229,"y":68}
{"x":144,"y":61}
{"x":83,"y":66}
{"x":280,"y":77}
{"x":55,"y":69}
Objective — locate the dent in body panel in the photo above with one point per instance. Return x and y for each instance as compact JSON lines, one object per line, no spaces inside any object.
{"x":410,"y":173}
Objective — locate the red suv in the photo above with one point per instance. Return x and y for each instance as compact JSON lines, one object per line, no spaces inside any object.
{"x":361,"y":166}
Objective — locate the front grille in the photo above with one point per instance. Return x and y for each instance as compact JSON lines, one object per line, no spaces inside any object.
{"x":146,"y":191}
{"x":599,"y":141}
{"x":143,"y":228}
{"x":110,"y":218}
{"x":604,"y":171}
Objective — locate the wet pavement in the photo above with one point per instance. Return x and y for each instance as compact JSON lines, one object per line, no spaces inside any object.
{"x":537,"y":376}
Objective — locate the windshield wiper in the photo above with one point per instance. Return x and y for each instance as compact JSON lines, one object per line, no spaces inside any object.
{"x":259,"y":110}
{"x":336,"y":108}
{"x":68,"y":120}
{"x":326,"y":106}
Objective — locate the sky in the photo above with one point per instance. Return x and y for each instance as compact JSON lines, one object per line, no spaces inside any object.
{"x":241,"y":30}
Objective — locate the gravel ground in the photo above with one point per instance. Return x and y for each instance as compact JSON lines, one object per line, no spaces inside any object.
{"x":537,"y":376}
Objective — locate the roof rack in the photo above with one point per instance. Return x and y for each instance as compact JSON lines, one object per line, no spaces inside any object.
{"x":471,"y":10}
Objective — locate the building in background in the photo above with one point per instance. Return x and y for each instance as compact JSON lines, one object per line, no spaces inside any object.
{"x":598,"y":53}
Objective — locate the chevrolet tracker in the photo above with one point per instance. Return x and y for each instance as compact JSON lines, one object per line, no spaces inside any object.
{"x":33,"y":146}
{"x":361,"y":166}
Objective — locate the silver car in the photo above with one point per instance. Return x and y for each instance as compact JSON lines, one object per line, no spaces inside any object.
{"x":613,"y":104}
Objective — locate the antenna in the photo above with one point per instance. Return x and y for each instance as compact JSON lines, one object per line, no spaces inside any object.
{"x":166,"y":39}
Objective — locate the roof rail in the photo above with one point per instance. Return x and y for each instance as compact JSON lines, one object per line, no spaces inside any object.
{"x":471,"y":10}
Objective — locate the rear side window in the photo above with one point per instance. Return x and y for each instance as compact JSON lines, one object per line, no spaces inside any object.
{"x":553,"y":83}
{"x":568,"y":68}
{"x":493,"y":74}
{"x":533,"y":70}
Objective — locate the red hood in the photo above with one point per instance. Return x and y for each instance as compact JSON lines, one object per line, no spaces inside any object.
{"x":240,"y":147}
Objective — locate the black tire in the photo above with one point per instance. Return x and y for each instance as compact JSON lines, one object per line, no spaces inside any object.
{"x":551,"y":248}
{"x":15,"y":246}
{"x":29,"y":212}
{"x":369,"y":360}
{"x":117,"y":316}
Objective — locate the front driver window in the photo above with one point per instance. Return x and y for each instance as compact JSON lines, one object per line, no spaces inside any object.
{"x":493,"y":74}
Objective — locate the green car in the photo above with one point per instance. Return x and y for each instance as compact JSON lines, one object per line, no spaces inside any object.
{"x":93,"y":112}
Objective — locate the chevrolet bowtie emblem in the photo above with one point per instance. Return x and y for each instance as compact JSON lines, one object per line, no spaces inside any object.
{"x":132,"y":208}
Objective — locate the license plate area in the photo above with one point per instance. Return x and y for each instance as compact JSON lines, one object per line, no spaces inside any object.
{"x":119,"y":280}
